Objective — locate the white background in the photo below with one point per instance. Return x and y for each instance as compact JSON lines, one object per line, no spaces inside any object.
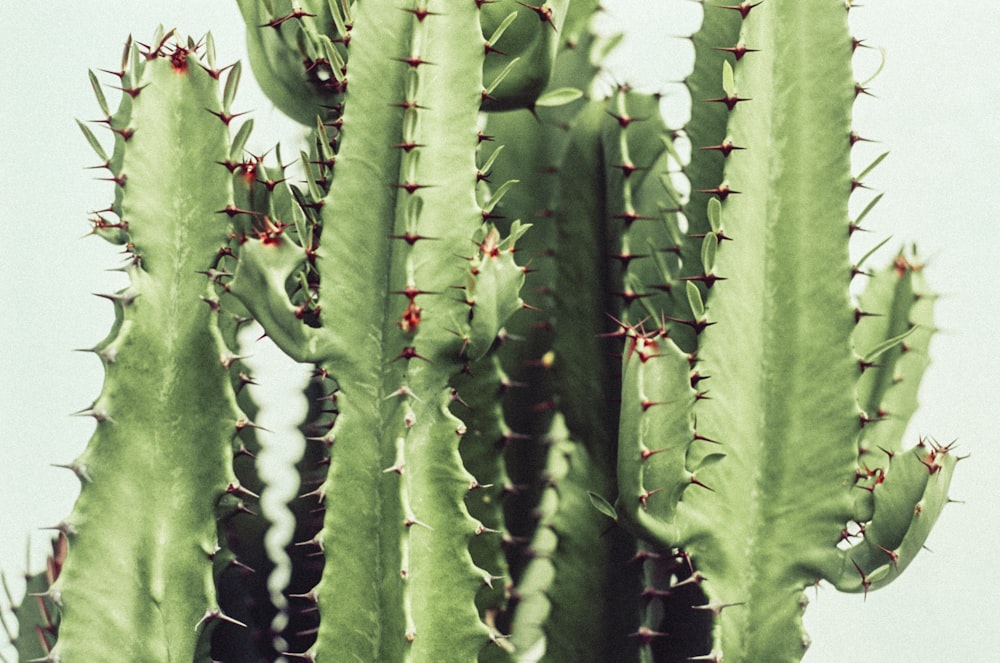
{"x":936,"y":110}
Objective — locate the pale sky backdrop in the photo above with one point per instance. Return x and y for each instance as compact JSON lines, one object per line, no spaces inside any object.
{"x":937,"y":107}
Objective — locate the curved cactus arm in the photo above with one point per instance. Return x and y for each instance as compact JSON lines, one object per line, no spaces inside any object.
{"x":259,"y":281}
{"x":906,"y":499}
{"x":138,"y":578}
{"x":297,"y":52}
{"x":892,"y":339}
{"x":656,"y":423}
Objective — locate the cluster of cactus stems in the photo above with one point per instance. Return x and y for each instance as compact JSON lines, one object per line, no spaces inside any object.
{"x":559,"y":411}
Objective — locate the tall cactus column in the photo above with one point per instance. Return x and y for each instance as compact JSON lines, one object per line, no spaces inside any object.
{"x":758,"y":473}
{"x":411,"y":286}
{"x":138,"y":579}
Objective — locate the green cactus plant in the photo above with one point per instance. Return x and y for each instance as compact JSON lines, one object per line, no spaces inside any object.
{"x":559,"y":411}
{"x":168,"y":413}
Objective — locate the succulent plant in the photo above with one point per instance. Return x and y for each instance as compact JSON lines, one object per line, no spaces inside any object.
{"x":559,"y":411}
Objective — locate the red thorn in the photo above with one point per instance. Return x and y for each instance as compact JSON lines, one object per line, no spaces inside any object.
{"x":725,"y":147}
{"x":743,"y":8}
{"x":722,"y":191}
{"x":865,"y":582}
{"x":421,"y":13}
{"x":411,"y":187}
{"x":646,"y":495}
{"x":296,"y":13}
{"x":410,"y":352}
{"x":729,"y":101}
{"x":739,"y":50}
{"x":544,"y":13}
{"x":696,"y":482}
{"x":414,"y":61}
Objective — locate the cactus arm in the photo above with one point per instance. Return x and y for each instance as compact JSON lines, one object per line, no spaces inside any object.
{"x":400,"y":311}
{"x":782,"y":434}
{"x":572,"y":579}
{"x":294,"y":55}
{"x":657,"y":405}
{"x":707,"y":131}
{"x":900,"y":303}
{"x":707,"y":126}
{"x":478,"y":402}
{"x":532,"y":149}
{"x":259,"y":282}
{"x":581,"y":261}
{"x":243,"y":567}
{"x":592,"y":206}
{"x":519,"y":55}
{"x":907,"y":499}
{"x":138,"y":580}
{"x":797,"y":211}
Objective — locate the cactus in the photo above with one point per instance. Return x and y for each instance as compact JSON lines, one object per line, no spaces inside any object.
{"x":159,"y":470}
{"x":405,"y":177}
{"x":726,"y":473}
{"x":559,"y":410}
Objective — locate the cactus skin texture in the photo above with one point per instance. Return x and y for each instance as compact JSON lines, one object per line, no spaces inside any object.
{"x":694,"y":425}
{"x":138,"y":582}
